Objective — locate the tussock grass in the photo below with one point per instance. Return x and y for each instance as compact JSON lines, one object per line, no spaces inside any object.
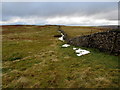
{"x":34,"y":58}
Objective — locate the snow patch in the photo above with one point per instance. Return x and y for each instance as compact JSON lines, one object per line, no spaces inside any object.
{"x":74,"y":48}
{"x":81,"y":52}
{"x":62,"y":37}
{"x":65,"y":45}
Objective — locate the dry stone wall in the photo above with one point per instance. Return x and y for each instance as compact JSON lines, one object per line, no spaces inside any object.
{"x":108,"y":41}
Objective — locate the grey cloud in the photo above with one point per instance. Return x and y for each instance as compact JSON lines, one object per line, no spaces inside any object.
{"x":53,"y":9}
{"x":47,"y":10}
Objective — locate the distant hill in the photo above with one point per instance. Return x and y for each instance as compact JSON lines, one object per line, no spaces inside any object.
{"x":110,"y":26}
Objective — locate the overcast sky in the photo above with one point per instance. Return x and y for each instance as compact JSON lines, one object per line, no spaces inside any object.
{"x":60,"y":13}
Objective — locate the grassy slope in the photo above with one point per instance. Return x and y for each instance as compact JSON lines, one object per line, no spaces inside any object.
{"x":33,"y":58}
{"x":74,"y":31}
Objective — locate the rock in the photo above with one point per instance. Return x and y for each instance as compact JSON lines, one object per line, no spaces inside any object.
{"x":57,"y":35}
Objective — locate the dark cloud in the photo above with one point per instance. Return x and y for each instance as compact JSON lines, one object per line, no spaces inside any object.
{"x":52,"y":9}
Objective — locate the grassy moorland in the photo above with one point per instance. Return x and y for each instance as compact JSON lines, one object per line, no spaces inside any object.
{"x":74,"y":31}
{"x":33,"y":58}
